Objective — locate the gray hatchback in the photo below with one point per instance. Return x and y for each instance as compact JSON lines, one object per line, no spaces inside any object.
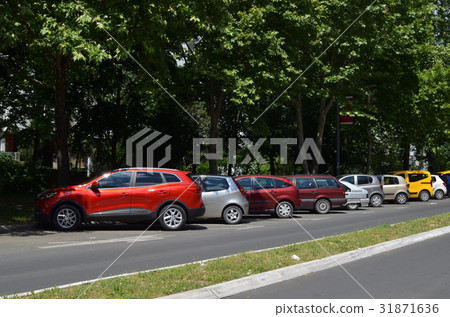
{"x":369,"y":183}
{"x":222,"y":197}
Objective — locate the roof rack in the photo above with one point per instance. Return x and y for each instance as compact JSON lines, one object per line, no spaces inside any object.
{"x":145,"y":168}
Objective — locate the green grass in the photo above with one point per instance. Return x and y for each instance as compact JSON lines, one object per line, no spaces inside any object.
{"x":16,"y":209}
{"x":175,"y":280}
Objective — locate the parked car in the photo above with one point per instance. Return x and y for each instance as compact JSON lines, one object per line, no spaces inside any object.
{"x":274,"y":194}
{"x":222,"y":197}
{"x":439,"y":187}
{"x":319,"y":193}
{"x":356,"y":196}
{"x":445,"y":175}
{"x":126,"y":194}
{"x":395,"y":188}
{"x":369,"y":183}
{"x":419,"y":183}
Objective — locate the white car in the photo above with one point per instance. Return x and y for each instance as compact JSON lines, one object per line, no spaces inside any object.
{"x":439,"y":187}
{"x":356,"y":196}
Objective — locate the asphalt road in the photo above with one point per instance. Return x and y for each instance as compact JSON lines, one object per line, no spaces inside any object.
{"x":34,"y":259}
{"x":416,"y":271}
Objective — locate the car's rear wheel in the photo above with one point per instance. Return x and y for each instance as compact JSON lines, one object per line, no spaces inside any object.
{"x":172,"y":217}
{"x":232,"y":215}
{"x":439,"y":194}
{"x":284,"y":209}
{"x":322,"y":206}
{"x":401,"y":198}
{"x":352,"y":206}
{"x":424,"y":195}
{"x":376,"y":200}
{"x":66,"y":218}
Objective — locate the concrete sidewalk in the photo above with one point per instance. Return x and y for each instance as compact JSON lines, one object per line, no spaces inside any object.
{"x":234,"y":287}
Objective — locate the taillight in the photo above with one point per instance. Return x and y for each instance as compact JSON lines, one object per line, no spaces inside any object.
{"x":195,"y":188}
{"x":367,"y":195}
{"x":381,"y":186}
{"x":407,"y":185}
{"x":445,"y":185}
{"x":288,"y":181}
{"x":240,"y":188}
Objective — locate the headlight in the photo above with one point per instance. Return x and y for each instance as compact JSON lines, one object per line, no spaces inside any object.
{"x":46,"y":195}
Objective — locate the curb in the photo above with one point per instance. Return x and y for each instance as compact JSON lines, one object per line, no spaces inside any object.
{"x":244,"y":284}
{"x":17,"y":227}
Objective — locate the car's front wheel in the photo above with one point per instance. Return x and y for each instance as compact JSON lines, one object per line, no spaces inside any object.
{"x":376,"y":200}
{"x":424,"y":195}
{"x":232,"y":215}
{"x":439,"y":194}
{"x":284,"y":209}
{"x":401,"y":198}
{"x":172,"y":217}
{"x":352,"y":206}
{"x":322,"y":206}
{"x":66,"y":218}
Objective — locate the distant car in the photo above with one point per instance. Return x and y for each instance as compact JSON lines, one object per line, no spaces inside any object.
{"x":419,"y":183}
{"x":274,"y":194}
{"x":126,"y":194}
{"x":356,"y":196}
{"x":439,"y":187}
{"x":395,"y":188}
{"x":369,"y":183}
{"x":222,"y":197}
{"x":319,"y":193}
{"x":445,"y":175}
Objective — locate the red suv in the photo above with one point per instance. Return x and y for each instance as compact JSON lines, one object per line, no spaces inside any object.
{"x":124,"y":194}
{"x":319,"y":192}
{"x":270,"y":193}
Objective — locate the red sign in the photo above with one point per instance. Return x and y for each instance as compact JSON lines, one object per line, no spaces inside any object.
{"x":346,"y":119}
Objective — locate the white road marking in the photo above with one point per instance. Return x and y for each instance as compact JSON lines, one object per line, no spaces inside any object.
{"x":249,"y":227}
{"x":315,"y":219}
{"x":126,"y":240}
{"x":368,"y":212}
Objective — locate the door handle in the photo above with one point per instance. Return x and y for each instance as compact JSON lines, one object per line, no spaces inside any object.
{"x":124,"y":194}
{"x":314,"y":193}
{"x":162,"y":192}
{"x":273,"y":191}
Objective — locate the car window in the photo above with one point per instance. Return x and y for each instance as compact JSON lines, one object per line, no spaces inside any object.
{"x":115,"y":180}
{"x":148,"y":179}
{"x":278,"y":183}
{"x":417,"y":177}
{"x":246,"y":183}
{"x":402,"y":175}
{"x":215,"y":184}
{"x":380,"y":179}
{"x":363,"y":180}
{"x":171,"y":178}
{"x":305,"y":183}
{"x":349,"y":179}
{"x":263,"y":182}
{"x":389,"y":180}
{"x":327,"y":183}
{"x":433,"y":179}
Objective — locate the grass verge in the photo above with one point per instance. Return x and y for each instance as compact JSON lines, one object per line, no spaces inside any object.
{"x":14,"y":210}
{"x":193,"y":276}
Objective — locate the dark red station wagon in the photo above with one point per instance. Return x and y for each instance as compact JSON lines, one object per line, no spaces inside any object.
{"x":319,"y":193}
{"x":273,"y":194}
{"x":127,"y":194}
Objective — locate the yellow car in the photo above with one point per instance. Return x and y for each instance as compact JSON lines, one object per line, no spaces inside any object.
{"x":419,"y":183}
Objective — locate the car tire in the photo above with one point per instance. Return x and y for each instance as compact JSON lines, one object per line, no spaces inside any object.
{"x":439,"y":194}
{"x":424,"y":195}
{"x":376,"y":200}
{"x":172,"y":217}
{"x":232,"y":215}
{"x":352,"y":206}
{"x":322,"y":206}
{"x":284,"y":209}
{"x":66,"y":218}
{"x":401,"y":198}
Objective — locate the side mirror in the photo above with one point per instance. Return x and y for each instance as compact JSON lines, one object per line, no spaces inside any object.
{"x":94,"y":185}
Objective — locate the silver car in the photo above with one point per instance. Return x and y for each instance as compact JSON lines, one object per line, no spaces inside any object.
{"x":369,"y":183}
{"x":222,"y":197}
{"x":356,"y":196}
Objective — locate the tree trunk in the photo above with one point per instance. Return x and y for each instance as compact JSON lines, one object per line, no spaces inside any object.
{"x":324,"y":109}
{"x":61,"y":121}
{"x":215,"y":109}
{"x":300,"y":131}
{"x":407,"y":148}
{"x":115,"y":132}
